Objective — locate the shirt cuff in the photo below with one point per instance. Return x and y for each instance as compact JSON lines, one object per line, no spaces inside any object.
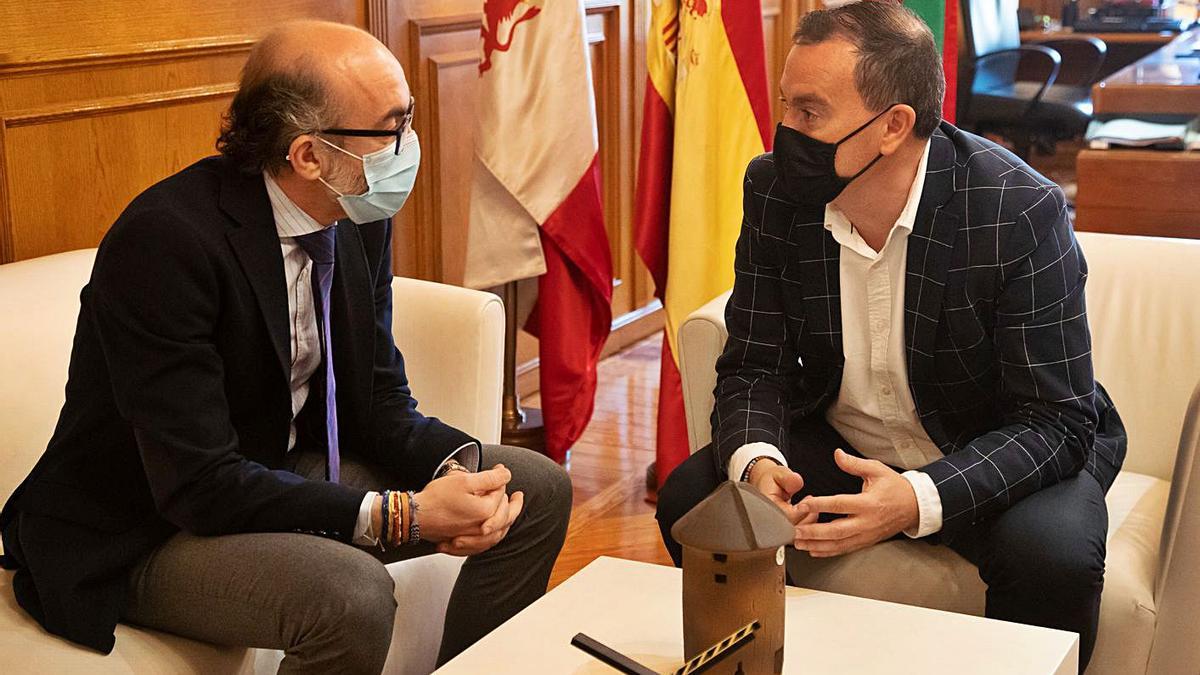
{"x":466,"y":454}
{"x":750,"y":451}
{"x":362,"y":527}
{"x":929,"y":505}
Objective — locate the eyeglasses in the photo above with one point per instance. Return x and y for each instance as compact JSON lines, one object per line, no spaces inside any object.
{"x":398,"y":132}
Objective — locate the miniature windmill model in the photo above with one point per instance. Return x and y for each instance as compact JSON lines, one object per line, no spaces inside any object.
{"x":733,"y":575}
{"x":733,"y":587}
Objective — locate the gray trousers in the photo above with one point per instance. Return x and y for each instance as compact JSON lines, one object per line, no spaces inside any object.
{"x":330,"y":606}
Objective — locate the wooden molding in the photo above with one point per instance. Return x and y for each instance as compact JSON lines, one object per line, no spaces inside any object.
{"x":141,"y":53}
{"x":377,"y":19}
{"x":445,"y":24}
{"x":6,"y":247}
{"x":429,"y":238}
{"x":115,"y":104}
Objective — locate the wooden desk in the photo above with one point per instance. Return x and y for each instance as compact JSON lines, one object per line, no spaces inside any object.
{"x":1147,"y":192}
{"x":1161,"y":83}
{"x":1157,"y":39}
{"x":1123,"y":49}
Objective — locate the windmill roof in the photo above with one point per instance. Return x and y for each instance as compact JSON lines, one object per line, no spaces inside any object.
{"x":735,"y":517}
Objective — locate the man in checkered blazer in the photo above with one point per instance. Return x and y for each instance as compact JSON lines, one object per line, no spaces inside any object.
{"x":911,"y":295}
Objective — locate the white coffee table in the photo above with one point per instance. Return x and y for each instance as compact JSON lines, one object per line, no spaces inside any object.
{"x":634,"y":608}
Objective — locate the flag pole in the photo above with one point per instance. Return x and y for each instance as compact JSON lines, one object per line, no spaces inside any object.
{"x":520,"y":427}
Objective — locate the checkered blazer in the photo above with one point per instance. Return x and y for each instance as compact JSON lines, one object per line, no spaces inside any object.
{"x":998,"y":348}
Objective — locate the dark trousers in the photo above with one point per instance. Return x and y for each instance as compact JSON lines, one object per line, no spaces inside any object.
{"x":330,"y":606}
{"x":1042,"y":559}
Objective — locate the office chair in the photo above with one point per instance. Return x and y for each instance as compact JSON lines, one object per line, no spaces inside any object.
{"x":1032,"y":115}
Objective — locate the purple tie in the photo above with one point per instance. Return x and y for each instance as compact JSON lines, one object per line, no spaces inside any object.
{"x":320,"y":246}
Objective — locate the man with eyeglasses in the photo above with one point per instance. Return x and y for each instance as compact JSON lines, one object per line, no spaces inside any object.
{"x":240,"y":453}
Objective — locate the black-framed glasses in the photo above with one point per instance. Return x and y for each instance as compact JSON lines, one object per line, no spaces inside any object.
{"x":398,"y":132}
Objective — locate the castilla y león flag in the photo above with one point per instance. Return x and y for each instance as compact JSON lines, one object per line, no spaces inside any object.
{"x":535,"y":197}
{"x":706,"y":115}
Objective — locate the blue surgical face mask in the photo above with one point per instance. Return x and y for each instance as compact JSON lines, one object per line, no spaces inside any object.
{"x":390,"y":177}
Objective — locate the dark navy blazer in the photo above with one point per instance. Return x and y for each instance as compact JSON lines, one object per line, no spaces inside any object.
{"x":178,"y":401}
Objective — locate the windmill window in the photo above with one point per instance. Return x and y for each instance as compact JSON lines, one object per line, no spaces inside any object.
{"x":720,"y":557}
{"x":719,"y":578}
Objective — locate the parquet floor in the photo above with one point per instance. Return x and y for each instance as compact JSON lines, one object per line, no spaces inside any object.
{"x":608,"y":466}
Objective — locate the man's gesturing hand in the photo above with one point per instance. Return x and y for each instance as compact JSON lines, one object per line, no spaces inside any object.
{"x":886,"y":505}
{"x":779,"y":483}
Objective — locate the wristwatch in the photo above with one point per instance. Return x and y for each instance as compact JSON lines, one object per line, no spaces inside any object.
{"x":451,"y":465}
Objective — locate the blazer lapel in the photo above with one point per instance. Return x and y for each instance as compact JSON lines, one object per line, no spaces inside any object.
{"x":255,"y":242}
{"x":930,"y":249}
{"x":820,"y":279}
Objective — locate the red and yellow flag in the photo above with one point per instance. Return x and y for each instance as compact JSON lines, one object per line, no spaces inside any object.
{"x":706,"y":115}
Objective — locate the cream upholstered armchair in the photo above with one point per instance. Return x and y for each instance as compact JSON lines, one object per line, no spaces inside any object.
{"x":1145,"y":319}
{"x":453,"y":342}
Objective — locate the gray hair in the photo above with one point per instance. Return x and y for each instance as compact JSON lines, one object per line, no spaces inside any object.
{"x":898,"y":60}
{"x":274,"y":104}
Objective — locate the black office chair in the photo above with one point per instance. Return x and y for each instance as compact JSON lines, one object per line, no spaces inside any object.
{"x":1030,"y":114}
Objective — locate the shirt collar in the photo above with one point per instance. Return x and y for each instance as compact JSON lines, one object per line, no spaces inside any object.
{"x":290,"y":220}
{"x":844,"y":233}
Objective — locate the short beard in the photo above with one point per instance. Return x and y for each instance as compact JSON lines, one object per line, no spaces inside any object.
{"x":346,"y":176}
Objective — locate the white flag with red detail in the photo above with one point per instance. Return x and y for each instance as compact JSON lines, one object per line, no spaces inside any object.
{"x":535,"y":196}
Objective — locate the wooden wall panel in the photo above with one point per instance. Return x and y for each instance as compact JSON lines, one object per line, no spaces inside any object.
{"x":100,"y":100}
{"x":452,"y":77}
{"x":82,"y":31}
{"x":71,"y":172}
{"x":442,"y":66}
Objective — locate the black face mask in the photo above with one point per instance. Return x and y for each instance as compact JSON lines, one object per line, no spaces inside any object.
{"x":806,"y":165}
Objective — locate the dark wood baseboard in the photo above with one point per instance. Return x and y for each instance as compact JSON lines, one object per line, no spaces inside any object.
{"x":627,"y":330}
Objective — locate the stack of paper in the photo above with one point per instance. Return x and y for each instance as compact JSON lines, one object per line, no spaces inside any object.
{"x":1138,"y":134}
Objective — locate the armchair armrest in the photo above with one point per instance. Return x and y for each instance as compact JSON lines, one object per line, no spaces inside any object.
{"x":1083,"y":49}
{"x":452,"y":340}
{"x":702,"y":337}
{"x":1177,"y":593}
{"x":982,"y":64}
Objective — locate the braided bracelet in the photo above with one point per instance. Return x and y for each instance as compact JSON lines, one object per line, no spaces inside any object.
{"x":383,"y":528}
{"x":395,"y":515}
{"x":414,"y":531}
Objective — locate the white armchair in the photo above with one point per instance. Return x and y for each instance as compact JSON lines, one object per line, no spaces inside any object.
{"x":453,"y":341}
{"x":1145,"y":321}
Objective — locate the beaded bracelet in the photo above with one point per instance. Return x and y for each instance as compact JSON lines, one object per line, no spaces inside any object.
{"x":399,"y":519}
{"x":383,"y":520}
{"x":414,"y":532}
{"x":750,"y":466}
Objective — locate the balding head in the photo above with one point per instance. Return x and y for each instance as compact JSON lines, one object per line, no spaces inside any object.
{"x":305,"y":76}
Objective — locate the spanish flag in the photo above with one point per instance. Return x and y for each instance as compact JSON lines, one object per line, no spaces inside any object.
{"x":706,"y":115}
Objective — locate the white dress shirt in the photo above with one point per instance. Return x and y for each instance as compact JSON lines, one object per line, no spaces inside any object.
{"x":874,"y":410}
{"x":290,"y":222}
